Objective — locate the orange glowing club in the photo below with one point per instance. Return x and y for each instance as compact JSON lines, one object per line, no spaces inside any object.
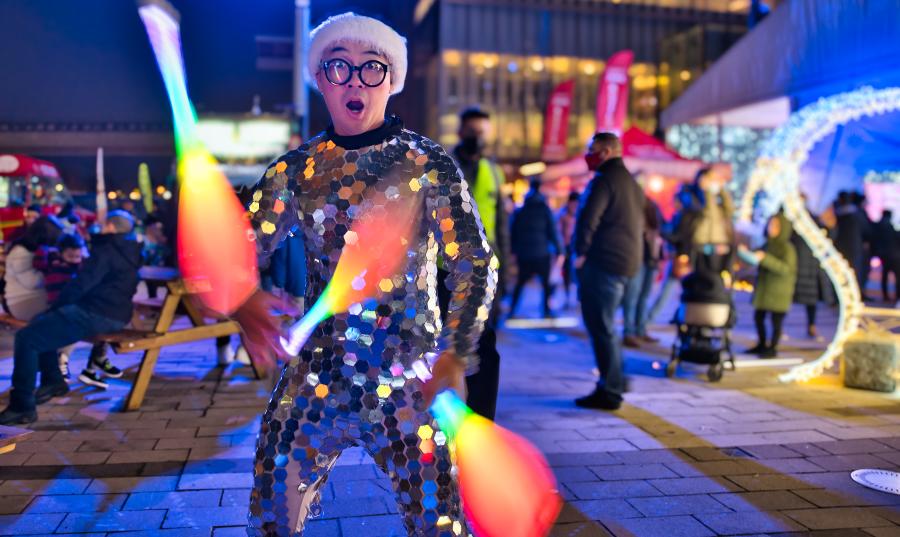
{"x":216,"y":251}
{"x":506,"y":484}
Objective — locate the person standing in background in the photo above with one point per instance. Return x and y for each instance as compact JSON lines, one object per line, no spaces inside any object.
{"x":849,"y":235}
{"x":535,"y":245}
{"x":565,"y":222}
{"x":868,"y":246}
{"x":808,"y":288}
{"x":634,"y":304}
{"x":673,"y":232}
{"x":485,"y":179}
{"x":886,"y":243}
{"x":710,"y":225}
{"x":608,"y":247}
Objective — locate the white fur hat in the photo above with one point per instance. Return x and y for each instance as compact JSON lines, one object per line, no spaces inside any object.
{"x":359,"y":29}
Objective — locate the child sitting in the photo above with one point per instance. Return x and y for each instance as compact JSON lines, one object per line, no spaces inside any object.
{"x":59,"y":266}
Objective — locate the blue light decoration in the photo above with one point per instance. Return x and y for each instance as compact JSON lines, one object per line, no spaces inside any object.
{"x":777,"y":174}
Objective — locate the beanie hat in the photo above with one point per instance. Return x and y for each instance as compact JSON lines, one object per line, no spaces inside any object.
{"x":358,"y":29}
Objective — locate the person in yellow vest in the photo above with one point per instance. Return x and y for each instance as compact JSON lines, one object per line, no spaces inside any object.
{"x":485,"y":179}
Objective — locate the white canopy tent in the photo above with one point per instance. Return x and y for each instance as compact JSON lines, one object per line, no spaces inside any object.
{"x":803,"y":50}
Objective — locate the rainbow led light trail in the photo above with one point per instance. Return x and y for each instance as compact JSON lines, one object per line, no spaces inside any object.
{"x":216,"y":251}
{"x":375,"y":249}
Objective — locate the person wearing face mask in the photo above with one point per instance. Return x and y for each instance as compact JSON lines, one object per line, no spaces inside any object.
{"x":356,"y":381}
{"x":485,"y":179}
{"x":608,"y":246}
{"x":484,"y":176}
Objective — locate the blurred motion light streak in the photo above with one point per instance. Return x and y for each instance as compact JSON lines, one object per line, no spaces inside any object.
{"x":216,"y":249}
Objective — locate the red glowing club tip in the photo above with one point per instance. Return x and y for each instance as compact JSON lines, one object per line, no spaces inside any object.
{"x":506,"y":485}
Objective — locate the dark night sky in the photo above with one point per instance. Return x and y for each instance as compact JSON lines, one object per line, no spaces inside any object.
{"x":90,"y":60}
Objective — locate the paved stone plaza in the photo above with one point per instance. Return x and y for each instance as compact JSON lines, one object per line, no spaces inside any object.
{"x":683,"y":457}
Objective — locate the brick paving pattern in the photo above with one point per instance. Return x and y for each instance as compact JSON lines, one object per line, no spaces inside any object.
{"x":746,"y":456}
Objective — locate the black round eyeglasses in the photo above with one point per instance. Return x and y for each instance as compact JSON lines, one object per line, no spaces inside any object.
{"x":339,"y":72}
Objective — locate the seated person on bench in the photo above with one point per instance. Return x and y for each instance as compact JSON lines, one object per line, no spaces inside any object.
{"x":97,"y":301}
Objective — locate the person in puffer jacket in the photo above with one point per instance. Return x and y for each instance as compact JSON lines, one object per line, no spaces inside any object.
{"x":775,"y":282}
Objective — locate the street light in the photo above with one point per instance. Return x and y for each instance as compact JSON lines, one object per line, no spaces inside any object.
{"x":301,"y":45}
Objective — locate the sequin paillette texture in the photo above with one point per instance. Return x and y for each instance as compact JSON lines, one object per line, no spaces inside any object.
{"x":353,"y":383}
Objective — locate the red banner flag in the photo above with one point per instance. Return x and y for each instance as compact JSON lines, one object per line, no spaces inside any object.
{"x":556,"y":122}
{"x":612,"y":93}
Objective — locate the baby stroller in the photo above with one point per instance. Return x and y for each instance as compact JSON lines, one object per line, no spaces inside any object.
{"x":703,"y":325}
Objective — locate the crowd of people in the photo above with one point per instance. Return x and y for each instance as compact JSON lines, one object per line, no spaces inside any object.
{"x":611,"y":240}
{"x":614,"y":238}
{"x":65,"y":299}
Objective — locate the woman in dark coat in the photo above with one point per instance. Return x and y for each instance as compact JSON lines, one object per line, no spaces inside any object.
{"x":808,"y":289}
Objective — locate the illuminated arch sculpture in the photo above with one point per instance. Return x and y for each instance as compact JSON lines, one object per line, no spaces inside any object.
{"x":777,"y":173}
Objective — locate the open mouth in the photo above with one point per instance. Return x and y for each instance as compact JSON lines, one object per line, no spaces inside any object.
{"x":355,"y":106}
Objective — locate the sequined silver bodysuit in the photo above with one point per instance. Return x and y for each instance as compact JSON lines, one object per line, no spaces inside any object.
{"x":353,"y":384}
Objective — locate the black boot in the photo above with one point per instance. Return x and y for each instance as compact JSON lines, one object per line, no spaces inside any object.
{"x":45,"y":393}
{"x":599,"y":399}
{"x":756,"y":349}
{"x":14,"y":417}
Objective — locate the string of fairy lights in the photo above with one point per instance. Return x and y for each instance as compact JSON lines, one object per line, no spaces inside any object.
{"x":777,"y":174}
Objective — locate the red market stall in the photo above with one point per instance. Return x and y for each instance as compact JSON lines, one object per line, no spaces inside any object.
{"x":663,"y":170}
{"x":25,"y":181}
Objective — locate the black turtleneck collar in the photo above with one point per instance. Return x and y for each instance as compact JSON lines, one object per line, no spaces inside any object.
{"x":391,"y":126}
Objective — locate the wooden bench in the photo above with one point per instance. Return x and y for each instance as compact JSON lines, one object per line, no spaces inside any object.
{"x":151,"y":342}
{"x":9,"y":436}
{"x":177,"y":300}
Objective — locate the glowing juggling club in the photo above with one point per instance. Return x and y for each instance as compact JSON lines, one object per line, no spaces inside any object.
{"x":506,"y":485}
{"x":216,"y":250}
{"x":375,"y":250}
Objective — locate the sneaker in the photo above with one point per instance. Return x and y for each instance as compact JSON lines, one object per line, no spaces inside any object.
{"x":599,"y":400}
{"x":631,"y":342}
{"x":768,"y":352}
{"x":224,"y":355}
{"x":103,"y":364}
{"x":648,"y":339}
{"x":92,"y":378}
{"x":46,"y":393}
{"x":64,"y":366}
{"x":812,"y":332}
{"x":14,"y":417}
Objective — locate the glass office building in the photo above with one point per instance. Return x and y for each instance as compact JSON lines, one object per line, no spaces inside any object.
{"x":507,"y":56}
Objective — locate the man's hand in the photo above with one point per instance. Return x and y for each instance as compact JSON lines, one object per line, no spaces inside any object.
{"x":559,"y":262}
{"x":448,"y":372}
{"x":260,"y":329}
{"x":579,"y":261}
